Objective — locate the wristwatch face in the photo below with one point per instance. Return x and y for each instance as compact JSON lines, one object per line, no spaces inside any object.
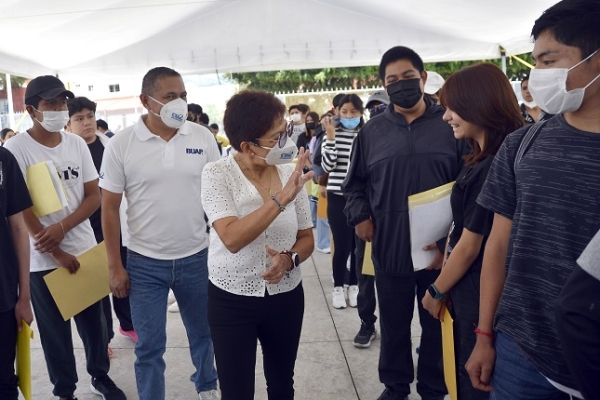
{"x":296,"y":259}
{"x":436,"y":295}
{"x":432,"y":292}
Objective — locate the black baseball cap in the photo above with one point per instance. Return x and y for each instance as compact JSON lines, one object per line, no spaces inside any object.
{"x":47,"y":87}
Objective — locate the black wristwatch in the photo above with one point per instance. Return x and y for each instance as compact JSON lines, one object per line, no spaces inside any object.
{"x":435,"y":293}
{"x":294,"y":257}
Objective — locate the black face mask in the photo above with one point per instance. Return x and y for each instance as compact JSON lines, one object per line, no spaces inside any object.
{"x":405,"y":93}
{"x":311,"y":125}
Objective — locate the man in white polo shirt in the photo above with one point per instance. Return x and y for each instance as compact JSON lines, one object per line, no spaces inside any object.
{"x":157,"y":164}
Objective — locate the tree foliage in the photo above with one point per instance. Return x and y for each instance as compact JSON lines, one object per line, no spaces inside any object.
{"x":312,"y":80}
{"x":15,"y":81}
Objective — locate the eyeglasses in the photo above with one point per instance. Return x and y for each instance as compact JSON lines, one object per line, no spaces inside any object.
{"x":378,"y":108}
{"x":283,"y":136}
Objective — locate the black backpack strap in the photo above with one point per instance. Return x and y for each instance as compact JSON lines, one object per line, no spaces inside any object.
{"x":526,"y":142}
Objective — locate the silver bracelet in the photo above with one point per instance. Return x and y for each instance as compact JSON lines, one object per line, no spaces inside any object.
{"x":281,"y":208}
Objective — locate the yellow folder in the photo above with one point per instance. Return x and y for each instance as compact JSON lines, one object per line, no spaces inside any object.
{"x":45,"y":188}
{"x":24,"y":360}
{"x":448,"y":352}
{"x":430,"y":216}
{"x":322,"y":207}
{"x":368,"y":267}
{"x":74,"y":293}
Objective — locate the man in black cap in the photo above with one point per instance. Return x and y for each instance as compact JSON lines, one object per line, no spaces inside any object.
{"x":58,"y":237}
{"x":377,"y":103}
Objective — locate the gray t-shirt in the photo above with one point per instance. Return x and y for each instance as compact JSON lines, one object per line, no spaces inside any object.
{"x":553,"y":199}
{"x":590,"y":258}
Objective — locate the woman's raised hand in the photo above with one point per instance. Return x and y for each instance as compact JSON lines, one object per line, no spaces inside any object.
{"x":297,"y":180}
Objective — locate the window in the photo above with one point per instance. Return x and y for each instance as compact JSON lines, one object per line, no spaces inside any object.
{"x":114,"y":88}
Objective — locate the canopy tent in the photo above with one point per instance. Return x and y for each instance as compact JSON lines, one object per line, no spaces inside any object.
{"x":88,"y":39}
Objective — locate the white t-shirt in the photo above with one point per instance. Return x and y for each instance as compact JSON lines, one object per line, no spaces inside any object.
{"x":74,"y":164}
{"x":226,"y":192}
{"x":161,"y":181}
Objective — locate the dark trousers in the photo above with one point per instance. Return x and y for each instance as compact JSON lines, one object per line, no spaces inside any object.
{"x":578,"y":322}
{"x":57,"y":342}
{"x":465,"y":310}
{"x":121,"y":307}
{"x":343,"y":240}
{"x":237,"y":322}
{"x":366,"y":286}
{"x":8,"y":343}
{"x":396,"y":296}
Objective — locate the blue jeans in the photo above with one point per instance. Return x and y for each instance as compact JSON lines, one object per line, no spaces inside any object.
{"x":150,"y":280}
{"x":323,"y":238}
{"x":313,"y":209}
{"x":515,"y":377}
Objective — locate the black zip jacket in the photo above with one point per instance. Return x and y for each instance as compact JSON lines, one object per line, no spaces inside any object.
{"x":390,"y":161}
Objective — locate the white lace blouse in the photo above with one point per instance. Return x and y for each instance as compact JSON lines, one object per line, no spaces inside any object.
{"x":226,"y":192}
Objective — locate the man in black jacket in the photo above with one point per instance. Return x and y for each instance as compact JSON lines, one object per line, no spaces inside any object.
{"x":407,"y":150}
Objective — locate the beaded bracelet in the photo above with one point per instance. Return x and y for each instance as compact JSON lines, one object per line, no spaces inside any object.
{"x":484,"y":333}
{"x":281,"y":208}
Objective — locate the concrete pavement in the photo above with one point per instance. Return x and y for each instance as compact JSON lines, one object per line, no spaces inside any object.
{"x":328,"y":367}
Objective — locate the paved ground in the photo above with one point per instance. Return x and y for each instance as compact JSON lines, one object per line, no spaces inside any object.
{"x":329,"y":367}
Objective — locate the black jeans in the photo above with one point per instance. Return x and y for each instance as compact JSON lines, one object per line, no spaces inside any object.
{"x":465,"y":310}
{"x":121,"y":307}
{"x":236,"y":322}
{"x":578,"y":322}
{"x":8,"y":343}
{"x":57,"y":342}
{"x":396,"y":295}
{"x":343,"y":240}
{"x":366,"y":286}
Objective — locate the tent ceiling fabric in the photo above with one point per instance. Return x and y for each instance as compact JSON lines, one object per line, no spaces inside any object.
{"x":125,"y":38}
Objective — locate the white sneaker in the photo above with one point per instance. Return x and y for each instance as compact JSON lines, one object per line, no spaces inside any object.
{"x":338,"y":298}
{"x":171,"y":298}
{"x":209,"y":395}
{"x":174,"y":308}
{"x":326,"y":250}
{"x":353,"y":296}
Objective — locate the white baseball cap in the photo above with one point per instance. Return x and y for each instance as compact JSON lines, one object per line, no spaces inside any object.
{"x":434,"y":82}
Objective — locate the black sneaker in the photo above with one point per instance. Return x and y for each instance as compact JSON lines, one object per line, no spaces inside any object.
{"x":388,"y":394}
{"x":105,"y":387}
{"x":365,"y":335}
{"x":69,"y":398}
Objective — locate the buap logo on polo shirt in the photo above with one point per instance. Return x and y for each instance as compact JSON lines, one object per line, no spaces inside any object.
{"x":194,"y":151}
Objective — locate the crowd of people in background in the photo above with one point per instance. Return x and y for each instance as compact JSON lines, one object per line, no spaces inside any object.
{"x":519,"y":270}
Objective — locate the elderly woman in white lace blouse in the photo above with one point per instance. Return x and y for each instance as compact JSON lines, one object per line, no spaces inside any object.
{"x":259,"y":212}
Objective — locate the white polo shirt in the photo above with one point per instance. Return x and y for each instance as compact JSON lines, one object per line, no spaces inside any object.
{"x":161,"y":181}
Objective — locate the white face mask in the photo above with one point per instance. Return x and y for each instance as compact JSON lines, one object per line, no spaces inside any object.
{"x":277,"y":156}
{"x":53,"y":121}
{"x":530,"y":104}
{"x":173,"y":114}
{"x":295,"y":117}
{"x":549,"y":89}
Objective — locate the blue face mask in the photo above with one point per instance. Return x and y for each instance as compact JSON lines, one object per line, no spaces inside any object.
{"x":350,"y":123}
